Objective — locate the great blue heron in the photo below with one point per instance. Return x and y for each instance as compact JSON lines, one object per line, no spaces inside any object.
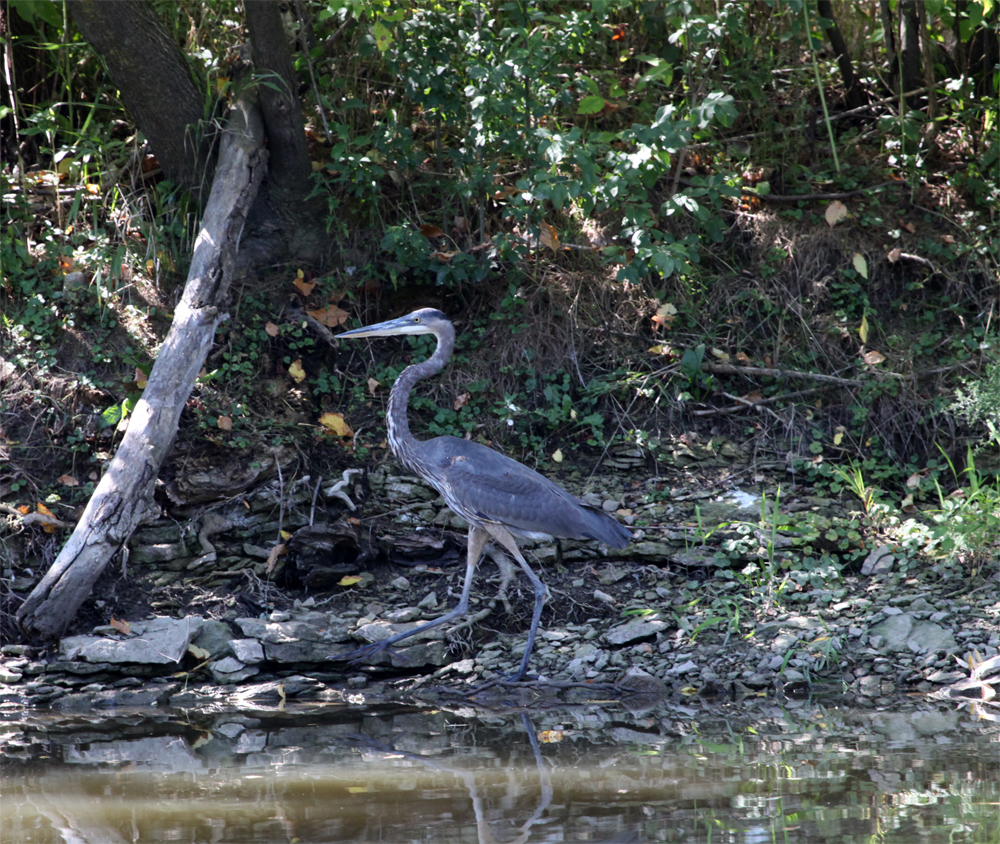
{"x":497,"y":496}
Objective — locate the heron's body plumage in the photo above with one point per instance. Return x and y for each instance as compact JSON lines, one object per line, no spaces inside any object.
{"x":498,"y":497}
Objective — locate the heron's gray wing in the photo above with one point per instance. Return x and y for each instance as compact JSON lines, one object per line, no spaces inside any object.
{"x":481,"y":484}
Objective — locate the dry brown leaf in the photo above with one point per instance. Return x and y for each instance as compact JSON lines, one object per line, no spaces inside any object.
{"x":894,"y":254}
{"x":947,"y":238}
{"x":120,"y":626}
{"x":68,"y":480}
{"x":373,"y":385}
{"x":445,"y":257}
{"x":549,"y":236}
{"x":910,"y":227}
{"x":431,"y":231}
{"x":304,"y":287}
{"x":330,"y":317}
{"x":874,"y":357}
{"x":835,"y":212}
{"x":272,"y":330}
{"x":224,"y":423}
{"x":272,"y":557}
{"x":742,"y":357}
{"x":462,"y":400}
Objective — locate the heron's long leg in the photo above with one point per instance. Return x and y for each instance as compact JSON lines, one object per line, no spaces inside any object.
{"x":504,"y":537}
{"x":477,"y":540}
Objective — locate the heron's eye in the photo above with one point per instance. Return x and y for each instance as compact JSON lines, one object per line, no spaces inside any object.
{"x":416,"y":319}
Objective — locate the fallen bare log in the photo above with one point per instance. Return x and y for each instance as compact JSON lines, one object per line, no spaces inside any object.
{"x":124,"y":497}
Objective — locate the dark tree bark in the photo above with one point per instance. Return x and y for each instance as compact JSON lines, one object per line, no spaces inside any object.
{"x":155,"y":81}
{"x":853,"y":93}
{"x":282,"y":221}
{"x":288,"y":174}
{"x":889,"y":38}
{"x":909,"y":25}
{"x":124,"y":497}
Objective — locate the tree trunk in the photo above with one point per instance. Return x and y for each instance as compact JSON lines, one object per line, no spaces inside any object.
{"x":155,"y":80}
{"x":889,"y":37}
{"x":853,"y":95}
{"x":289,"y":169}
{"x":909,"y":39}
{"x":283,"y":222}
{"x":124,"y":497}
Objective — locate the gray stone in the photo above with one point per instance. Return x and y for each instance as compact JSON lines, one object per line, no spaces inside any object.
{"x":311,"y":638}
{"x":640,"y":682}
{"x":214,"y":637}
{"x":249,"y":651}
{"x":903,"y":632}
{"x":879,"y":561}
{"x":640,"y":627}
{"x":230,"y":670}
{"x":158,"y":641}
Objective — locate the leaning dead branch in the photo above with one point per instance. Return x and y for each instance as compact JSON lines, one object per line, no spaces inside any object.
{"x":124,"y":497}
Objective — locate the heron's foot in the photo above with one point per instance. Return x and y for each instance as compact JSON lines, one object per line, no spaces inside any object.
{"x":364,"y":652}
{"x":502,"y":680}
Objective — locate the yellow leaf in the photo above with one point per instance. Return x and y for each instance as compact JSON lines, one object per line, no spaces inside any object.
{"x":297,"y":372}
{"x":140,"y":379}
{"x":835,"y":212}
{"x":356,"y":789}
{"x":336,"y":423}
{"x":557,"y":455}
{"x":863,"y":330}
{"x":860,"y":264}
{"x":551,"y":736}
{"x":198,"y":653}
{"x":286,"y":535}
{"x":349,"y":580}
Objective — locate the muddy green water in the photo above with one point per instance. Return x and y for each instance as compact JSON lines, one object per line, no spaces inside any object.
{"x":742,"y":774}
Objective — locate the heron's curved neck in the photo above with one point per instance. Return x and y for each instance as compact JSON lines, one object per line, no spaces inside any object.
{"x":401,"y":440}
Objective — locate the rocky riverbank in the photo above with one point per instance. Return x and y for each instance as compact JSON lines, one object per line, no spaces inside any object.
{"x":211,"y":608}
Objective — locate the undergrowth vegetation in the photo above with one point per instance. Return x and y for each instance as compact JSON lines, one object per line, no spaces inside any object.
{"x":650,"y":221}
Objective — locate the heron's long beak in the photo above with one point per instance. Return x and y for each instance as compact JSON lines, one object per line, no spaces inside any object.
{"x":390,"y":328}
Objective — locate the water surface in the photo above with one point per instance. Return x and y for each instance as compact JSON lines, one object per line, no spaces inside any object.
{"x":754,"y":772}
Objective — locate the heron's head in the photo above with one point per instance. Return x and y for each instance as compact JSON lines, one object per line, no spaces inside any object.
{"x":424,"y":321}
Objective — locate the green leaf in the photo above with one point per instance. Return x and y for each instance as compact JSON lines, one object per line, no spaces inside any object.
{"x":591,"y":105}
{"x":383,"y":38}
{"x":111,"y":416}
